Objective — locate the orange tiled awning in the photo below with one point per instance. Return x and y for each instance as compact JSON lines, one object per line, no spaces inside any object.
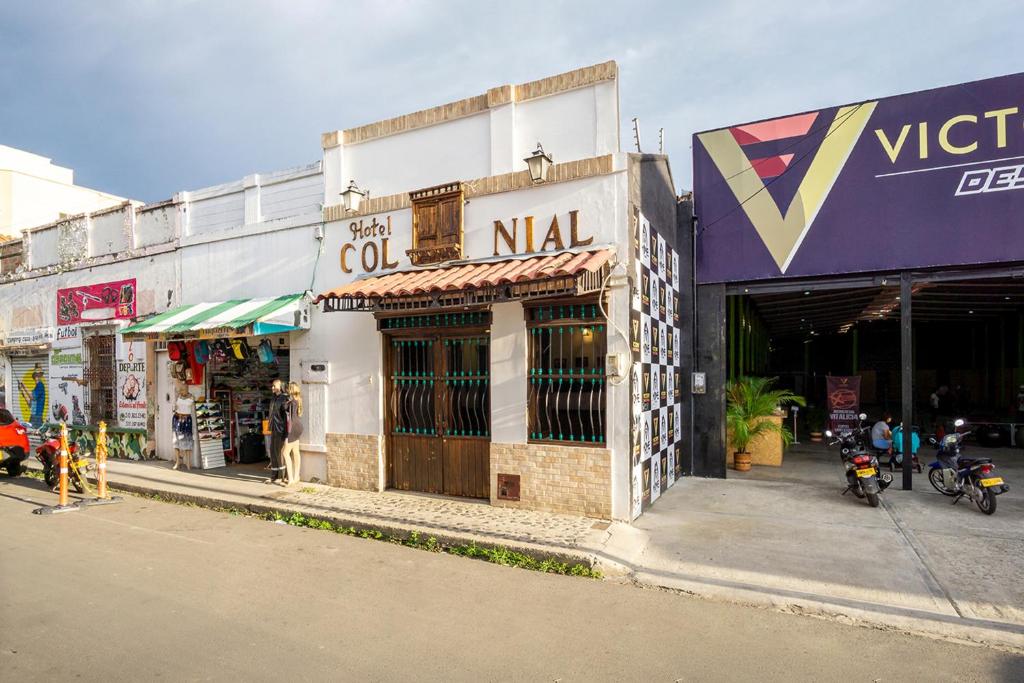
{"x":541,"y":275}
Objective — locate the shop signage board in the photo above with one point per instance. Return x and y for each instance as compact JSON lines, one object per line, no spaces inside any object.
{"x":926,"y":179}
{"x":130,"y":392}
{"x":90,"y":303}
{"x":67,"y":386}
{"x":27,"y":337}
{"x":843,"y":402}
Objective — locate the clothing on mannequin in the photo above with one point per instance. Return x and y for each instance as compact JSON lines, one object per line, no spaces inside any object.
{"x":181,"y":427}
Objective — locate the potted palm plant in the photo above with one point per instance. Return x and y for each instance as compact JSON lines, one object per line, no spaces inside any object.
{"x":750,"y":404}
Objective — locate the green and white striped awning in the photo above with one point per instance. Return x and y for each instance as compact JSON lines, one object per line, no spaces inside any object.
{"x":235,"y":317}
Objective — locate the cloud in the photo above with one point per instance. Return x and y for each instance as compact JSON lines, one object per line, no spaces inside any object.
{"x":147,"y":98}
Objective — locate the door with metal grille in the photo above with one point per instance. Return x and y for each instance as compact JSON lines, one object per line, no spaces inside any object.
{"x":439,"y":414}
{"x":100,"y":378}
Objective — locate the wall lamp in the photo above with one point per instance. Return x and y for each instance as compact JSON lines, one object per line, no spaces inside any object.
{"x":539,"y":164}
{"x":352,"y":197}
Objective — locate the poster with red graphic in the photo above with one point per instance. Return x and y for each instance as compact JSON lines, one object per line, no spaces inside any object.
{"x":843,"y":402}
{"x":131,"y":383}
{"x":104,"y":301}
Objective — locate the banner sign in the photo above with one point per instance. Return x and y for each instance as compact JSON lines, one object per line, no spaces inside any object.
{"x":843,"y":402}
{"x":131,"y":384}
{"x":88,"y":303}
{"x":932,"y":178}
{"x":67,"y":386}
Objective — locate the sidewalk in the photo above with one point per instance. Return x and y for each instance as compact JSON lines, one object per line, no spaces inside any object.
{"x":917,"y":564}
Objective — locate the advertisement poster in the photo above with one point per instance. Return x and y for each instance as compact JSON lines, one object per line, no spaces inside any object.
{"x":843,"y":402}
{"x":67,"y":385}
{"x":936,"y":176}
{"x":30,"y":381}
{"x":89,"y":303}
{"x":131,"y":384}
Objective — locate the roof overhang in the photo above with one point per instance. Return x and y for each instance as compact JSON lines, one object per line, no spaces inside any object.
{"x":476,"y":283}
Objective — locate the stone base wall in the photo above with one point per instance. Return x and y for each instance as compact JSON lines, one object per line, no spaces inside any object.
{"x":570,"y":479}
{"x":353,"y":461}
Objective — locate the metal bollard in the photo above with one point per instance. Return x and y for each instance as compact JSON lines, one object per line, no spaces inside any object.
{"x":101,"y":461}
{"x":62,"y":462}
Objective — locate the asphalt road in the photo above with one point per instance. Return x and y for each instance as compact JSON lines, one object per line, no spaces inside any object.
{"x":147,"y":590}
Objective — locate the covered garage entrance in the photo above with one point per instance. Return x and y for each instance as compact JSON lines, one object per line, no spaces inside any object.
{"x":879,"y":240}
{"x":967,"y":353}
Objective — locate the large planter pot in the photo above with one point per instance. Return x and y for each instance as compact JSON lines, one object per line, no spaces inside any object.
{"x":766,"y":450}
{"x":741,"y":461}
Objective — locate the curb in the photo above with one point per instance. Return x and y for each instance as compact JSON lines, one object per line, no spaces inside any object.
{"x":965,"y":631}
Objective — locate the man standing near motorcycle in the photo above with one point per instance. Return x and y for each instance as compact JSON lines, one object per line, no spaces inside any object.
{"x":881,"y":436}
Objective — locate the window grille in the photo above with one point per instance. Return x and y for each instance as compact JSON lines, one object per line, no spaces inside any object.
{"x":100,"y":378}
{"x":567,"y":385}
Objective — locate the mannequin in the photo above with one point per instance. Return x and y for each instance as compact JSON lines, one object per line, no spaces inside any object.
{"x":181,"y":425}
{"x":291,"y":454}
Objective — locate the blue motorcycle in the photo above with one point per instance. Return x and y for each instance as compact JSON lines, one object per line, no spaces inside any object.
{"x":957,"y":475}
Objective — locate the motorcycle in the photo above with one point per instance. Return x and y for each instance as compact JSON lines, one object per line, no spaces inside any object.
{"x":863,"y":476}
{"x":957,"y":475}
{"x":14,"y":446}
{"x":48,"y":452}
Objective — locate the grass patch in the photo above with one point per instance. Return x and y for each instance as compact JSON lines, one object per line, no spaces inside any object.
{"x":500,"y":555}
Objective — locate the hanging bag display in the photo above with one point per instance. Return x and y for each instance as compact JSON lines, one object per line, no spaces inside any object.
{"x":266,"y":352}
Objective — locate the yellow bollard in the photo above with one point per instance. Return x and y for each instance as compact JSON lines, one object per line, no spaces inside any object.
{"x":62,"y":462}
{"x":101,"y":461}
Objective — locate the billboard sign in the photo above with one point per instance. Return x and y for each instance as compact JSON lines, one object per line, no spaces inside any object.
{"x":927,"y":179}
{"x":89,"y":303}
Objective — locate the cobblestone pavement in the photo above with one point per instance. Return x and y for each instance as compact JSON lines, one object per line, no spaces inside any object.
{"x":435,"y":512}
{"x":245,"y":485}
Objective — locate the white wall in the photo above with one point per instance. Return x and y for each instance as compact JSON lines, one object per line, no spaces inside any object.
{"x":35,"y":201}
{"x":420,"y":158}
{"x":110,"y":232}
{"x":155,"y":224}
{"x":574,"y":124}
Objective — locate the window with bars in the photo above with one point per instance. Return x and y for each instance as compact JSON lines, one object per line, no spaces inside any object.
{"x":567,"y":385}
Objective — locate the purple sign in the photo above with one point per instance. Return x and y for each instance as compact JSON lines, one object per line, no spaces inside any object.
{"x":933,"y":178}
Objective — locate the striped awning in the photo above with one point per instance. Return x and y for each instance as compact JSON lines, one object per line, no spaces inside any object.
{"x":234,"y":317}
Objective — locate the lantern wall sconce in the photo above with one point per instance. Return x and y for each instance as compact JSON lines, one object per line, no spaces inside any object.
{"x":352,"y":197}
{"x":539,"y":164}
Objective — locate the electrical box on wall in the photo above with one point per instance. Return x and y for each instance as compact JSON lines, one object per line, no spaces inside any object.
{"x":615,"y":365}
{"x":315,"y":371}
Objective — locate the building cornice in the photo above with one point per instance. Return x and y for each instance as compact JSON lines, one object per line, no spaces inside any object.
{"x":496,"y":184}
{"x":495,"y":97}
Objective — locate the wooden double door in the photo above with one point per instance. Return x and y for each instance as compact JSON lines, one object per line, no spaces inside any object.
{"x":439,"y":413}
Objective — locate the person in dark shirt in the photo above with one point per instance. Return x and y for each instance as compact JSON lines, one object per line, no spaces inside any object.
{"x":278,"y":433}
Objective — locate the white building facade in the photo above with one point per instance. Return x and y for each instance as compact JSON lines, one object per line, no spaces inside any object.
{"x":457,"y":327}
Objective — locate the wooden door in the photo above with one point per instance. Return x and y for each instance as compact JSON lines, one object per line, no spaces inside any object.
{"x":439,"y":414}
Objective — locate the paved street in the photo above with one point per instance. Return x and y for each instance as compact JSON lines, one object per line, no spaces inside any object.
{"x":148,"y":590}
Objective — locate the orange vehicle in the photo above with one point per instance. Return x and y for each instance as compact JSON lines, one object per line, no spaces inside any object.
{"x":14,"y":446}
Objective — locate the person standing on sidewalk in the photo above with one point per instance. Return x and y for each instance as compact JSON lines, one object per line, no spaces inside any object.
{"x":278,"y":433}
{"x":291,"y":454}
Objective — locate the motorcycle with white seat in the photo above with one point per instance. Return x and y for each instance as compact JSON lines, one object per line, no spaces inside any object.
{"x":863,"y":476}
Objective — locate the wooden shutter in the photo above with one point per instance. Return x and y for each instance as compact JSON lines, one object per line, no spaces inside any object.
{"x":436,"y":224}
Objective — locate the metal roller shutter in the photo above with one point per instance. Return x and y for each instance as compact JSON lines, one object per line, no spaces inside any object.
{"x":22,"y":393}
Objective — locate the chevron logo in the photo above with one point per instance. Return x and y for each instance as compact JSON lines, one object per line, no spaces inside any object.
{"x":739,"y":154}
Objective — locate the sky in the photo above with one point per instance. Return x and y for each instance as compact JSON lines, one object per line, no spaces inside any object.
{"x":145,"y":98}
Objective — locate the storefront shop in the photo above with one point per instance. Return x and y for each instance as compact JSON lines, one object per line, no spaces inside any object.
{"x":870,"y":252}
{"x":226,"y":354}
{"x":26,"y":362}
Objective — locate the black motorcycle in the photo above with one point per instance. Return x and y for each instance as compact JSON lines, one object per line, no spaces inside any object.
{"x":955,"y":474}
{"x":863,"y":476}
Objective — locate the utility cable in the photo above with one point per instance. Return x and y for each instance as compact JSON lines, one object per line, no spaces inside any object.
{"x":764,"y":186}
